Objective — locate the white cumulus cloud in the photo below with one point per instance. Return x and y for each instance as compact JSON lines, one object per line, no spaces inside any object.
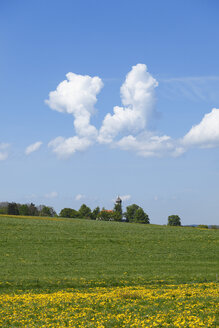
{"x":66,"y":147}
{"x":206,"y":133}
{"x":3,"y":151}
{"x":33,"y":147}
{"x":138,"y":99}
{"x":77,"y":96}
{"x":147,"y":145}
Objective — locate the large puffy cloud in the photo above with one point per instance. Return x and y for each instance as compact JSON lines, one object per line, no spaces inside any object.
{"x":3,"y":151}
{"x":138,"y":98}
{"x":206,"y":133}
{"x":147,"y":145}
{"x":77,"y":96}
{"x":66,"y":147}
{"x":33,"y":147}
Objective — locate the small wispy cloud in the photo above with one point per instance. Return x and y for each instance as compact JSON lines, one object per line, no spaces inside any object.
{"x":193,"y":88}
{"x":3,"y":156}
{"x":188,"y":79}
{"x":4,"y":151}
{"x":79,"y":197}
{"x":33,"y":147}
{"x":125,"y":198}
{"x":52,"y":194}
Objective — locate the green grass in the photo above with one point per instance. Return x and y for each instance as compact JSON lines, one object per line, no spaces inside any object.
{"x":47,"y":253}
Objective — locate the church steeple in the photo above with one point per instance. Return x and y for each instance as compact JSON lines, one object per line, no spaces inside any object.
{"x":118,"y":201}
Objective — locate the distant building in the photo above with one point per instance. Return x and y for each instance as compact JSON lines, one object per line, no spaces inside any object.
{"x":109,"y":215}
{"x":105,"y":215}
{"x":107,"y":211}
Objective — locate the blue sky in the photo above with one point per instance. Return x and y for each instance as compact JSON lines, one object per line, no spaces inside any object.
{"x":137,"y":115}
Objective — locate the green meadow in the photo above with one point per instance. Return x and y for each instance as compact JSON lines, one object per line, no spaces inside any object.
{"x":61,"y":253}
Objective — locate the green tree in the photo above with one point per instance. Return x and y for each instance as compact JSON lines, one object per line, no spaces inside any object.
{"x":117,"y":212}
{"x":140,"y":216}
{"x":33,"y":211}
{"x":47,"y":211}
{"x":24,"y":209}
{"x":95,"y":213}
{"x":117,"y":216}
{"x":3,"y":210}
{"x":68,"y":213}
{"x":3,"y":207}
{"x":174,"y":220}
{"x":12,"y":209}
{"x":84,"y":212}
{"x":130,"y":212}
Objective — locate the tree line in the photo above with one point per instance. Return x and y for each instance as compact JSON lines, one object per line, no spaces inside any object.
{"x":133,"y":213}
{"x":26,"y":209}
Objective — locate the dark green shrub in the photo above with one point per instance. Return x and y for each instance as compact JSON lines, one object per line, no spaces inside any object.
{"x":174,"y":220}
{"x":202,"y":226}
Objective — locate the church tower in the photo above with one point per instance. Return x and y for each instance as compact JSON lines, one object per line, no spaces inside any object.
{"x":119,"y":201}
{"x":118,"y":209}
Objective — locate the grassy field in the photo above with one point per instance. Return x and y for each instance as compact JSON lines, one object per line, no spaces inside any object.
{"x":78,"y":273}
{"x":68,"y":253}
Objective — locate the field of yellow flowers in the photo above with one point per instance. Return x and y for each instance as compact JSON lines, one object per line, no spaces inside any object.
{"x":187,"y":305}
